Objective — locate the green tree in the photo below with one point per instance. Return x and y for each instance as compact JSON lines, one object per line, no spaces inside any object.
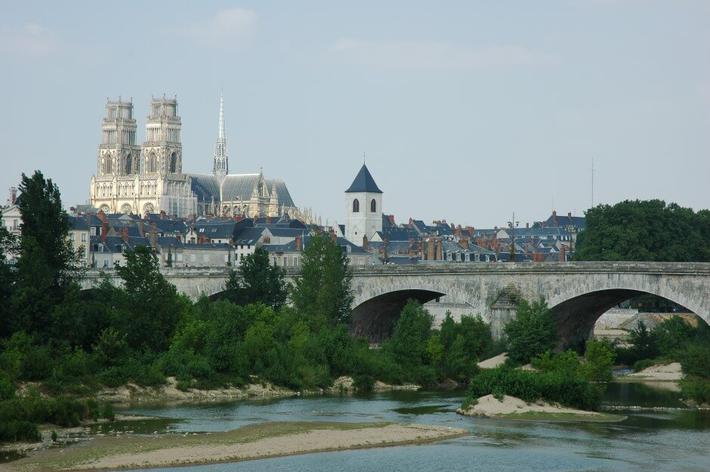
{"x":47,"y":264}
{"x":599,"y":357}
{"x":532,"y":332}
{"x":408,"y":344}
{"x":257,"y":280}
{"x":7,"y":282}
{"x":149,"y":305}
{"x":649,"y":230}
{"x":323,"y":289}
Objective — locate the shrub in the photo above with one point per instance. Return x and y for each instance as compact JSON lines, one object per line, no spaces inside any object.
{"x":599,"y":357}
{"x":554,"y":386}
{"x":363,"y":383}
{"x":531,"y":333}
{"x":696,"y":389}
{"x":695,"y":360}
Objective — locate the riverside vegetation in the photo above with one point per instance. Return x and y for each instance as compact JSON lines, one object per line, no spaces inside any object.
{"x":66,"y":344}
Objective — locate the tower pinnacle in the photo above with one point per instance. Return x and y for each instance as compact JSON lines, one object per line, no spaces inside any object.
{"x":221,"y":164}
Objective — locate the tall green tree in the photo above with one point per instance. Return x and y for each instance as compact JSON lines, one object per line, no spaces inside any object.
{"x":257,"y":280}
{"x":7,"y":282}
{"x":532,"y":332}
{"x":47,"y":264}
{"x":149,"y":306}
{"x":649,"y":230}
{"x":323,"y":289}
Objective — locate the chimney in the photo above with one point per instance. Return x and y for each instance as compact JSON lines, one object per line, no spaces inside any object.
{"x":13,"y":195}
{"x":527,"y":225}
{"x":101,"y":215}
{"x":569,"y":214}
{"x":124,"y":234}
{"x":162,"y":214}
{"x":464,"y":243}
{"x":430,"y":249}
{"x":104,"y":229}
{"x":440,"y":249}
{"x":364,"y":243}
{"x":554,"y":213}
{"x":299,"y":243}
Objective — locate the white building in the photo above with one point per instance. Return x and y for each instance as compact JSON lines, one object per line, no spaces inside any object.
{"x":137,"y":179}
{"x":363,"y":200}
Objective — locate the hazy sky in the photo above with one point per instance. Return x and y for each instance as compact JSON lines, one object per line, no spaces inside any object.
{"x":466,"y":111}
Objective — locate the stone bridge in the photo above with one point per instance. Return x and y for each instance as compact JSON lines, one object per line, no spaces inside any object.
{"x":577,"y":292}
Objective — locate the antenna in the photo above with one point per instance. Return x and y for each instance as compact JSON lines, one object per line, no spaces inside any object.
{"x":592,"y":182}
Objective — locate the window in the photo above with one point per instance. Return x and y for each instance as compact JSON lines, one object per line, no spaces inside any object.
{"x":129,"y":164}
{"x":173,"y":164}
{"x":373,"y":206}
{"x":356,"y":206}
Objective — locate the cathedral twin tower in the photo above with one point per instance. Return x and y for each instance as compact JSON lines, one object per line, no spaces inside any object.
{"x":148,"y":178}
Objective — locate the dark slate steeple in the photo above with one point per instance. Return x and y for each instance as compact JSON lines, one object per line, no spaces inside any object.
{"x":363,"y":182}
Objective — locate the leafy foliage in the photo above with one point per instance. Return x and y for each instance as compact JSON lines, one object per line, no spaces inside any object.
{"x":323,"y":289}
{"x":531,"y":333}
{"x":644,"y":231}
{"x":257,"y":280}
{"x":556,"y":385}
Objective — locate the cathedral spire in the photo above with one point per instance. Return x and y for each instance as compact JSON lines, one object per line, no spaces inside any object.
{"x":221,"y":164}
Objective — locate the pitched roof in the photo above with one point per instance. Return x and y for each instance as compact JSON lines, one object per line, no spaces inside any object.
{"x":363,"y":182}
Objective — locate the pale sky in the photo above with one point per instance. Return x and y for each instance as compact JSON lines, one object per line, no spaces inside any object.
{"x":466,"y":110}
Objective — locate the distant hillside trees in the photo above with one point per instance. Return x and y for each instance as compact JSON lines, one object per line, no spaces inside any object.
{"x":645,"y":230}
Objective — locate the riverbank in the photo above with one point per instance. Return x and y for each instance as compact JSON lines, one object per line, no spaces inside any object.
{"x":659,"y":376}
{"x":514,"y":408}
{"x":247,"y":443}
{"x":170,"y":393}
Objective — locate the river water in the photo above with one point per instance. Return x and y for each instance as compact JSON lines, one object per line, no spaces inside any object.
{"x":670,"y":438}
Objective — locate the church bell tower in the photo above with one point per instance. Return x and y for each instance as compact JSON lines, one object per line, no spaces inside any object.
{"x":363,"y":200}
{"x":162,"y":150}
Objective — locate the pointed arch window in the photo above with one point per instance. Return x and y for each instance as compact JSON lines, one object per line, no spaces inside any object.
{"x":173,"y":163}
{"x":373,"y":206}
{"x":129,"y":164}
{"x":356,"y":206}
{"x":152,"y":163}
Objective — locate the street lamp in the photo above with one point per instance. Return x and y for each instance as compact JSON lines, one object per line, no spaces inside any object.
{"x":512,"y":224}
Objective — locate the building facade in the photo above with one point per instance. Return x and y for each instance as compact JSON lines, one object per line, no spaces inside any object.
{"x":149,"y":178}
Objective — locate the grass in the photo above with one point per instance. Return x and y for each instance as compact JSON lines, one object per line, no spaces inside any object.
{"x":54,"y":459}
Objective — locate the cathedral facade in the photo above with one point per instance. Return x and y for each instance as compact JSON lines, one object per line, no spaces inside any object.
{"x":148,"y":178}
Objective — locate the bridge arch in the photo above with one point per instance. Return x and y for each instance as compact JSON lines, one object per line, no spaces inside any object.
{"x":577,"y":315}
{"x":375,"y":318}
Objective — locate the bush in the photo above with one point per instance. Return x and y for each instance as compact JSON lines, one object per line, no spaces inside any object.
{"x":19,"y":430}
{"x":695,"y":360}
{"x":696,"y":389}
{"x":363,"y":383}
{"x":7,"y":388}
{"x":553,"y":386}
{"x":531,"y":333}
{"x":599,"y":357}
{"x":643,"y":364}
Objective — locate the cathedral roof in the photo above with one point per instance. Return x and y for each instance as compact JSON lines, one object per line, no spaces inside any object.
{"x":237,"y":187}
{"x":363,"y":182}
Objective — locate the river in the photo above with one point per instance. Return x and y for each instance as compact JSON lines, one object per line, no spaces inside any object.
{"x":670,"y":438}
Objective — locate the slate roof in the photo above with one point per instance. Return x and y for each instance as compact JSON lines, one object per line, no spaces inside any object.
{"x":78,"y":223}
{"x":236,"y":187}
{"x":363,"y":182}
{"x":248,"y":236}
